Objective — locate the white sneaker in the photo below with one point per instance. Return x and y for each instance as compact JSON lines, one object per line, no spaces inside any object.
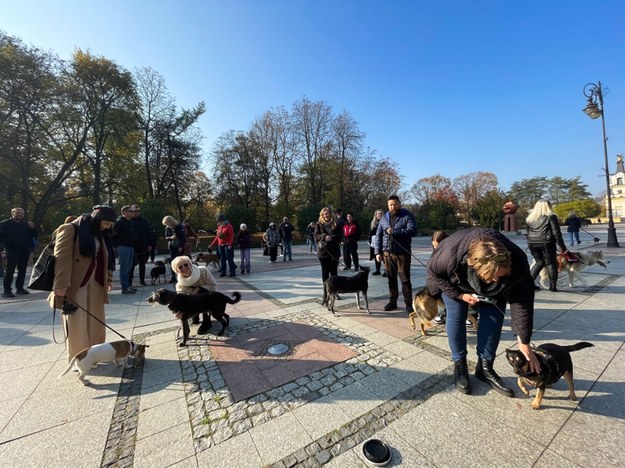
{"x":439,"y":319}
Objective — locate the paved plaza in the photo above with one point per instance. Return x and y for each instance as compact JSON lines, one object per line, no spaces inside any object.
{"x":228,"y":401}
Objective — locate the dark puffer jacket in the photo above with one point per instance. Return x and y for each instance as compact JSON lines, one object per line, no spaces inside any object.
{"x":404,"y":230}
{"x":447,"y":273}
{"x":545,"y":230}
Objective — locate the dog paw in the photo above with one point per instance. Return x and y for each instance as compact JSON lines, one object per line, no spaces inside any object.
{"x":202,"y":330}
{"x":534,"y":406}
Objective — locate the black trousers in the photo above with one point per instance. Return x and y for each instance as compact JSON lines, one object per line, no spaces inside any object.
{"x":350,"y":252}
{"x":329,"y":267}
{"x":15,"y":259}
{"x":545,"y":256}
{"x":139,"y":259}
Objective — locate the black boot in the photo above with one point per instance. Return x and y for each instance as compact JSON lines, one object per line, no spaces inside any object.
{"x":484,"y":371}
{"x":552,"y":286}
{"x":461,"y":377}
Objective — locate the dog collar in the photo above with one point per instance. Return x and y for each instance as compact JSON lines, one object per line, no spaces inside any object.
{"x":133,"y":348}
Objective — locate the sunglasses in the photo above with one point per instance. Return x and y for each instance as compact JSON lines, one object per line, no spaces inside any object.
{"x":183,"y":265}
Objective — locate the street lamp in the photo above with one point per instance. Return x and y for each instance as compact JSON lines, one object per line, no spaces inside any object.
{"x":594,"y":110}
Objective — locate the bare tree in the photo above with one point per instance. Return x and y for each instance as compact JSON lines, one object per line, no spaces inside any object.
{"x":312,"y":123}
{"x":471,"y":187}
{"x":155,"y":103}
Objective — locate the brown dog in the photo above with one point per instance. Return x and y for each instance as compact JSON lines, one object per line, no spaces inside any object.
{"x":208,"y":259}
{"x":426,"y":307}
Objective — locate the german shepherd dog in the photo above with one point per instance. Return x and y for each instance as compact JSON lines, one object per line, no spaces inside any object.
{"x":426,"y":307}
{"x":555,"y":362}
{"x":574,"y":263}
{"x":208,"y":259}
{"x":187,"y":306}
{"x":358,"y":283}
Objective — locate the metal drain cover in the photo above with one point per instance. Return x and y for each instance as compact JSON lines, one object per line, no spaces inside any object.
{"x":278,"y":349}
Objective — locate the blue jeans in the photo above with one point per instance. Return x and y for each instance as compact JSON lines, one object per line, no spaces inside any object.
{"x":287,"y":250}
{"x":245,"y":260}
{"x":576,"y":234}
{"x":488,"y":328}
{"x":226,"y":257}
{"x":125,"y":255}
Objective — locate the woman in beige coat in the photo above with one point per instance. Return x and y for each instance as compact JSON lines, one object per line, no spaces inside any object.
{"x":83,"y":274}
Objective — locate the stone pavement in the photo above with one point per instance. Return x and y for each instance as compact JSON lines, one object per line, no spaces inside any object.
{"x":227,"y":401}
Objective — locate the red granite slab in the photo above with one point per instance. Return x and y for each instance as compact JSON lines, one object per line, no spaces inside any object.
{"x":248,"y":369}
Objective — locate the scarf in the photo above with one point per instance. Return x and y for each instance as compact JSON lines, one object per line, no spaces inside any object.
{"x":482,"y":288}
{"x":192,"y":280}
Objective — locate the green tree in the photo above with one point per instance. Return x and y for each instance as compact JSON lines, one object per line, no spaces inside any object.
{"x":108,"y":100}
{"x":586,"y":208}
{"x":488,"y":210}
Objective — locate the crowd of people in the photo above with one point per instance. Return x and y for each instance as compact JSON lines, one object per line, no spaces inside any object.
{"x":473,"y":270}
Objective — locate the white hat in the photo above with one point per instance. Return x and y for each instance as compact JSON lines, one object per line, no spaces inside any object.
{"x":243,"y":226}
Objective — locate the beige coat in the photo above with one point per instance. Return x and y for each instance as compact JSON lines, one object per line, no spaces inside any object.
{"x":70,"y":268}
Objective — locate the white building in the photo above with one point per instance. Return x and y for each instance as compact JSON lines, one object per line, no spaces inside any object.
{"x":617,"y":189}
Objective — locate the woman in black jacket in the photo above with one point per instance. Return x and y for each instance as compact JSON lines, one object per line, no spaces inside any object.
{"x":543,"y":233}
{"x":485,"y":263}
{"x":328,"y":233}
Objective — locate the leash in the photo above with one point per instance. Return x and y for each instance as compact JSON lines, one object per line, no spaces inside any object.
{"x":407,"y":251}
{"x":337,"y":260}
{"x":69,"y":307}
{"x":591,"y":235}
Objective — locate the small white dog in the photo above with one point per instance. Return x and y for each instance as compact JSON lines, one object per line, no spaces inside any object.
{"x":117,"y":351}
{"x":574,"y":264}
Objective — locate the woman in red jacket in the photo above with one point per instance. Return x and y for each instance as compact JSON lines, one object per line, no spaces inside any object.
{"x":224,"y":238}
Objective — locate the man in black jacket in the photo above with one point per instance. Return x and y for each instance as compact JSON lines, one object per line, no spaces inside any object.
{"x":17,"y":237}
{"x":145,"y":238}
{"x":124,"y":241}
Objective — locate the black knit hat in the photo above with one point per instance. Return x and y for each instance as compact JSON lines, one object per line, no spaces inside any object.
{"x":104,"y":213}
{"x":221,"y":218}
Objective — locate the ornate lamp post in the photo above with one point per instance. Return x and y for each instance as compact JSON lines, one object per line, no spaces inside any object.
{"x":594,"y":110}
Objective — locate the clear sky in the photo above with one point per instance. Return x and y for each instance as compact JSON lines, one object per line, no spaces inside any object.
{"x":448,"y":87}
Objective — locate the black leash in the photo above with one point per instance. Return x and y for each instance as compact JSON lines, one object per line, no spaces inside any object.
{"x":591,"y":235}
{"x":337,"y":260}
{"x":407,"y":251}
{"x":69,"y":307}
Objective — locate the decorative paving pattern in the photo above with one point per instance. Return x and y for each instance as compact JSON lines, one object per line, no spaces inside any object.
{"x":216,"y":417}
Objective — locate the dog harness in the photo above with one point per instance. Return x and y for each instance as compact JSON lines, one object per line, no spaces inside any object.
{"x":550,"y":362}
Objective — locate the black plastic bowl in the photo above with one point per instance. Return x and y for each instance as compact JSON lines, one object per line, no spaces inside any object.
{"x":377,"y":452}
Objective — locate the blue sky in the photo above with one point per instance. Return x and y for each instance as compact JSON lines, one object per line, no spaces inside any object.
{"x":448,"y":87}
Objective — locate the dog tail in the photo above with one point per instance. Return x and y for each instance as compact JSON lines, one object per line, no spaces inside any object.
{"x":69,"y":366}
{"x":578,"y":346}
{"x":237,"y":298}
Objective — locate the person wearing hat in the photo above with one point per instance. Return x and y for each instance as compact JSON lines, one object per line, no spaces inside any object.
{"x":272,"y":239}
{"x":83,"y":275}
{"x":244,"y":240}
{"x":224,"y":238}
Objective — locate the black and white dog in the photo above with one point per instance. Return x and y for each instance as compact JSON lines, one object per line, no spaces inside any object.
{"x":188,"y":306}
{"x":358,"y":283}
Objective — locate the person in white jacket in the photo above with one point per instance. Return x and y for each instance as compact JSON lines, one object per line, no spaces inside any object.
{"x":193,"y":279}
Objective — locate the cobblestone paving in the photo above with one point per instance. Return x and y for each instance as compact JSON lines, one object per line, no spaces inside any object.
{"x":215,"y":417}
{"x":120,"y":444}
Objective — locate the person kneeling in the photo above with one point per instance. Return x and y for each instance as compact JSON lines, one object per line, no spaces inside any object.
{"x":194,"y":279}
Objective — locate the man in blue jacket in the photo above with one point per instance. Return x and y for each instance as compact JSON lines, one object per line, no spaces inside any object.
{"x":392,"y":246}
